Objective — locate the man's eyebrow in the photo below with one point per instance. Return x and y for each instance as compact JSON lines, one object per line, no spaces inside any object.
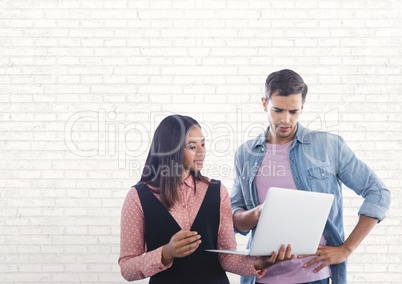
{"x":280,"y":109}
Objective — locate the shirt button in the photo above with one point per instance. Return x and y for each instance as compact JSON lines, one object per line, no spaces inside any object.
{"x":184,"y":206}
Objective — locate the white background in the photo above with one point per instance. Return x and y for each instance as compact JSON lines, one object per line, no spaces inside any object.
{"x":83,"y":83}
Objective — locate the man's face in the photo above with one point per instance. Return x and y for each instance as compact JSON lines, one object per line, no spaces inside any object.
{"x":283,"y":114}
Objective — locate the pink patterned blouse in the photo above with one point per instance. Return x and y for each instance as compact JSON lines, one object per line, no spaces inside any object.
{"x":138,"y":263}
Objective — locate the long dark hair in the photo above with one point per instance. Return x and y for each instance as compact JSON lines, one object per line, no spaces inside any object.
{"x":164,"y":165}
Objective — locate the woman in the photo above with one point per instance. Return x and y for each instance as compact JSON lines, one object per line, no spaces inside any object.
{"x":174,"y":214}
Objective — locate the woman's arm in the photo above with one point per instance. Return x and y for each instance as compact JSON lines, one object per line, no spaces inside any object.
{"x":135,"y":262}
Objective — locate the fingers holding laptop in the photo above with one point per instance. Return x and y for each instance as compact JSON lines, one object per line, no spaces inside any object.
{"x":284,"y":253}
{"x":247,"y":219}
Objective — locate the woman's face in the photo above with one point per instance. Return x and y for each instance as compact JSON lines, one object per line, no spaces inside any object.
{"x":194,"y":151}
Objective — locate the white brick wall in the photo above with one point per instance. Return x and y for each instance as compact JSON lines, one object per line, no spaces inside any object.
{"x":83,"y":83}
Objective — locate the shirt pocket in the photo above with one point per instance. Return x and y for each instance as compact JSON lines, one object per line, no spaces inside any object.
{"x":321,"y":179}
{"x":320,"y":173}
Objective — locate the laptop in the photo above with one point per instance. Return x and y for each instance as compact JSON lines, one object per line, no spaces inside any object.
{"x":289,"y":216}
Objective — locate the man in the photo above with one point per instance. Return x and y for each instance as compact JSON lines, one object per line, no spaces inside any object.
{"x":289,"y":155}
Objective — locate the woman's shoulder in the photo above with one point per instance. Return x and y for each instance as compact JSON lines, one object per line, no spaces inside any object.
{"x":132,"y":192}
{"x":219,"y":183}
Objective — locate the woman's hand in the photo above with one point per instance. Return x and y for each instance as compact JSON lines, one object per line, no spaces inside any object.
{"x":182,"y":244}
{"x":284,"y":253}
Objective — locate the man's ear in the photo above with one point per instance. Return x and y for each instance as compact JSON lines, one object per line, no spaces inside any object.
{"x":264,"y":104}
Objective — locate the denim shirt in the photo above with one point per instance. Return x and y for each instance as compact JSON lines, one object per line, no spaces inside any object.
{"x":319,"y":161}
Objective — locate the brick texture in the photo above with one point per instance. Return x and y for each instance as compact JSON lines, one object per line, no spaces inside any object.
{"x":83,"y":84}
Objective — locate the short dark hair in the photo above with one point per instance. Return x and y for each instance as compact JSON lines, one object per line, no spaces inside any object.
{"x":164,"y":165}
{"x":284,"y":83}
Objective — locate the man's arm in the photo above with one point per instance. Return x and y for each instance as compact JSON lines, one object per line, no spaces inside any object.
{"x":245,"y":220}
{"x":375,"y":205}
{"x":335,"y":255}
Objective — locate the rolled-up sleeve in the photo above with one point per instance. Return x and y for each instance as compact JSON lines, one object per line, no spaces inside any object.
{"x":356,"y":175}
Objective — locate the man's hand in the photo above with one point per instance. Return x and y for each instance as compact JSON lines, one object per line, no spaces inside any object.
{"x":335,"y":255}
{"x":245,"y":220}
{"x":284,"y":253}
{"x":329,"y":255}
{"x":182,"y":244}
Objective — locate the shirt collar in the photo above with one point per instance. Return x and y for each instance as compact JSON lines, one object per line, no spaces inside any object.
{"x":301,"y":136}
{"x":189,"y":181}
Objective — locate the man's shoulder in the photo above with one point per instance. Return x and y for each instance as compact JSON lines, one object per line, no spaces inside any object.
{"x":251,"y":147}
{"x":318,"y":136}
{"x":252,"y":143}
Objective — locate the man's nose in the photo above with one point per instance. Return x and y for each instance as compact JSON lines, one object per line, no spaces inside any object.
{"x":285,"y":117}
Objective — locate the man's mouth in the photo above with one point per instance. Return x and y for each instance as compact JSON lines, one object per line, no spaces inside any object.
{"x":284,"y":128}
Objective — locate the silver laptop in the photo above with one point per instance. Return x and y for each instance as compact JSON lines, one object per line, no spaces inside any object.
{"x":289,"y":216}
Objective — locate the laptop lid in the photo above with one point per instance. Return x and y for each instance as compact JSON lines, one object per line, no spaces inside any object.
{"x":290,"y":216}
